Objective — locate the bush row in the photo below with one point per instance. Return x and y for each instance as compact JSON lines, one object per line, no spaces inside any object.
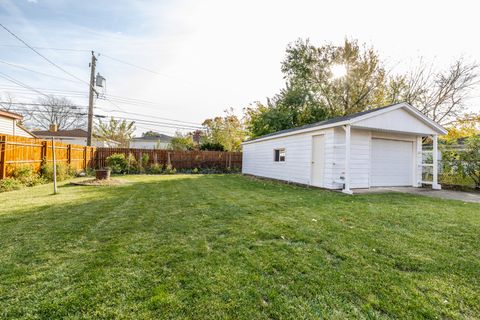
{"x":25,"y":176}
{"x":119,"y":163}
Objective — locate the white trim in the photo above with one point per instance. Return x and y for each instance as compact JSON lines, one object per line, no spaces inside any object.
{"x":348,"y":142}
{"x":414,"y":110}
{"x":421,"y":116}
{"x":435,"y":184}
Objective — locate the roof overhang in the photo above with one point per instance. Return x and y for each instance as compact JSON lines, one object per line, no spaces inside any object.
{"x":10,"y":115}
{"x":435,"y":126}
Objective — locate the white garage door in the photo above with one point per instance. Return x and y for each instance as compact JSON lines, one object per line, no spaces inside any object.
{"x":392,"y":163}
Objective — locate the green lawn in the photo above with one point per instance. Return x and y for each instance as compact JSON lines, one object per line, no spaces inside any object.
{"x":227,"y":246}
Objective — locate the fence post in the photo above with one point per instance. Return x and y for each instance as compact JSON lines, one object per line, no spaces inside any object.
{"x":92,"y":154}
{"x":69,"y":154}
{"x":3,"y":158}
{"x":85,"y":158}
{"x":44,"y":150}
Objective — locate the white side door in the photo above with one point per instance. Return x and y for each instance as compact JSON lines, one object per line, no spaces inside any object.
{"x":318,"y":160}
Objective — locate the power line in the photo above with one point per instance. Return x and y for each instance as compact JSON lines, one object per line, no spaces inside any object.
{"x":44,"y":48}
{"x":134,"y":65}
{"x":41,"y":55}
{"x":38,"y":104}
{"x":19,"y":83}
{"x":35,"y":71}
{"x":161,"y":118}
{"x":136,"y":120}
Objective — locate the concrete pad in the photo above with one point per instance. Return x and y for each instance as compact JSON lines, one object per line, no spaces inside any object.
{"x":443,"y":194}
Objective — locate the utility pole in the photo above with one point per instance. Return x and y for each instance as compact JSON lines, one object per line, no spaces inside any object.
{"x":90,"y":99}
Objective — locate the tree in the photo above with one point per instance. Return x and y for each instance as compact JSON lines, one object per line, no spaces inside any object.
{"x":7,"y":102}
{"x":151,"y":134}
{"x":181,"y":142}
{"x":312,"y":68}
{"x":116,"y":130}
{"x":464,"y":127}
{"x":228,"y":131}
{"x":441,"y":95}
{"x":314,"y":93}
{"x":57,"y":111}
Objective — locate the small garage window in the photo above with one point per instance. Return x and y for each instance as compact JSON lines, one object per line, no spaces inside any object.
{"x":279,"y":155}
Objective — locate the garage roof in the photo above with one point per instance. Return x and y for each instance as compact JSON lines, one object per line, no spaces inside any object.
{"x":349,"y":119}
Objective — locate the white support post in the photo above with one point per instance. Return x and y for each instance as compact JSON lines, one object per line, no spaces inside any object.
{"x":417,"y":177}
{"x":435,"y":184}
{"x":346,"y":188}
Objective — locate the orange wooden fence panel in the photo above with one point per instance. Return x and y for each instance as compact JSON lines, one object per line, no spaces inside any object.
{"x":19,"y":151}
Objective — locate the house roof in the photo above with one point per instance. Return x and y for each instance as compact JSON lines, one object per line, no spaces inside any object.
{"x":349,"y":119}
{"x":161,"y":137}
{"x":10,"y":115}
{"x":74,"y":133}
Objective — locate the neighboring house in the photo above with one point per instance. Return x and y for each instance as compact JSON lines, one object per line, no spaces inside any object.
{"x":74,"y":136}
{"x":161,"y":141}
{"x":380,"y":147}
{"x":10,"y":125}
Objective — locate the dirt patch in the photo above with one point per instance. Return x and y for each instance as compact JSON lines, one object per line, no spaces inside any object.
{"x":99,"y":183}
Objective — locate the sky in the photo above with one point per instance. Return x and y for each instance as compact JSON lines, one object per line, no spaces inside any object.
{"x":194,"y":59}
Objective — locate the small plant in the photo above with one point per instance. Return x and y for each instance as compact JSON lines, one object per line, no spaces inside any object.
{"x":195,"y":171}
{"x":132,"y":164}
{"x":22,"y":173}
{"x":64,"y":171}
{"x":33,"y":180}
{"x":10,"y":184}
{"x":169,"y":169}
{"x":145,"y":159}
{"x":118,"y":163}
{"x":156,"y":168}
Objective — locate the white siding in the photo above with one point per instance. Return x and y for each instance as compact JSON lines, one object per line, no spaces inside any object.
{"x":22,"y":133}
{"x":399,"y":120}
{"x":7,"y":126}
{"x":258,"y":158}
{"x":359,"y":159}
{"x":148,"y":144}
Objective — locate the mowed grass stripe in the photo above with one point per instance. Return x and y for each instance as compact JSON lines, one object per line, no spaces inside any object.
{"x":227,"y":246}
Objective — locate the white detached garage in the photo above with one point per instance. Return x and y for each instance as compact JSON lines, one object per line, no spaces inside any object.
{"x":374,"y":148}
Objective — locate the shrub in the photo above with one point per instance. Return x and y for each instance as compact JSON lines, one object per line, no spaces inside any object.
{"x":64,"y":171}
{"x":132,"y":164}
{"x":117,"y":163}
{"x":34,"y":180}
{"x":144,"y":162}
{"x":470,"y":160}
{"x":156,"y":168}
{"x":195,"y":171}
{"x":10,"y":184}
{"x":170,"y":170}
{"x":212,"y":146}
{"x":22,"y":173}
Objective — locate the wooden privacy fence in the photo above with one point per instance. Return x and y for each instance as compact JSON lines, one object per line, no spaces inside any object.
{"x":18,"y":151}
{"x":178,"y":159}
